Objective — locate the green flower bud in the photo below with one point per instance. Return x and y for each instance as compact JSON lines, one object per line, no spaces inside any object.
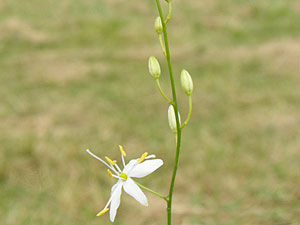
{"x":186,"y":82}
{"x":154,"y":67}
{"x":158,"y":25}
{"x":172,"y":119}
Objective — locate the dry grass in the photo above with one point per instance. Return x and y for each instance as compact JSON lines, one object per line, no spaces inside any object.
{"x":74,"y":76}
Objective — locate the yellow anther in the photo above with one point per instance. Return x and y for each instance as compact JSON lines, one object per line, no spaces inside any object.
{"x":142,"y":157}
{"x":109,"y":173}
{"x":111,"y":162}
{"x":102,"y":212}
{"x":123,"y":175}
{"x":122,"y":151}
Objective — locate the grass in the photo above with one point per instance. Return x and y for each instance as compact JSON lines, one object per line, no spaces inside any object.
{"x":74,"y":76}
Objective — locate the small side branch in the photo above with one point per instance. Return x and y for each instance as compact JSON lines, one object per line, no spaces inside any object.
{"x":190,"y":112}
{"x":162,"y":93}
{"x":152,"y":192}
{"x":170,"y":11}
{"x":162,"y":44}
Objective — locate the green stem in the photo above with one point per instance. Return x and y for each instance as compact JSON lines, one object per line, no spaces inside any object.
{"x":162,"y":44}
{"x":170,"y":11}
{"x":178,"y":144}
{"x":151,"y":191}
{"x":190,"y":112}
{"x":161,"y":92}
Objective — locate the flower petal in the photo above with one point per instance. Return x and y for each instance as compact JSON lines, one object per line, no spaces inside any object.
{"x":113,"y":188}
{"x":129,"y":166}
{"x":132,"y":189}
{"x":150,"y":156}
{"x":145,"y":168}
{"x":115,"y":200}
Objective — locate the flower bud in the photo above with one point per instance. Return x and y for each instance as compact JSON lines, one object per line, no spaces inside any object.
{"x":172,"y":118}
{"x":154,"y":67}
{"x":158,"y":25}
{"x":186,"y":82}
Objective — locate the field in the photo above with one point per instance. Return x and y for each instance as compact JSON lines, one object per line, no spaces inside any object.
{"x":73,"y":75}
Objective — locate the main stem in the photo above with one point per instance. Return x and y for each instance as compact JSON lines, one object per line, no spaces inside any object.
{"x":169,"y":202}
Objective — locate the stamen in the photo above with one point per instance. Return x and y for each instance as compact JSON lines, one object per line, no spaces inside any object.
{"x":123,"y":176}
{"x":109,"y":173}
{"x":96,"y":157}
{"x":116,"y":176}
{"x":142,"y":157}
{"x":123,"y":161}
{"x":118,"y":168}
{"x":102,"y":212}
{"x":122,"y":151}
{"x":111,"y":162}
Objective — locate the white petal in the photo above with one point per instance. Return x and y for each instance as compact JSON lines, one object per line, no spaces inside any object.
{"x":113,"y":188}
{"x":132,"y":189}
{"x":129,"y":166}
{"x":115,"y":200}
{"x":145,"y":168}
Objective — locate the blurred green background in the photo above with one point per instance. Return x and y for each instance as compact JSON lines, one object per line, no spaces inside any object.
{"x":73,"y":75}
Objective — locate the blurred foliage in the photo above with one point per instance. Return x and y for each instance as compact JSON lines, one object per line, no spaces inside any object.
{"x":74,"y":76}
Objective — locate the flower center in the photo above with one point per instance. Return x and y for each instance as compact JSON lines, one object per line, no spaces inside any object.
{"x":123,"y":176}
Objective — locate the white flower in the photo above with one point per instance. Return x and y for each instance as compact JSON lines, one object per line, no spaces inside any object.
{"x":158,"y":25}
{"x":172,"y":119}
{"x":154,"y":67}
{"x":186,"y":82}
{"x":135,"y":168}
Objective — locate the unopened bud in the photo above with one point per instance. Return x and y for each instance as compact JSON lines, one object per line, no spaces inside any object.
{"x":172,"y":119}
{"x":154,"y":67}
{"x":158,"y":25}
{"x":186,"y":82}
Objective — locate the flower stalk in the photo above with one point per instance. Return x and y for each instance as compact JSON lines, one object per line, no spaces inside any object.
{"x":161,"y":42}
{"x":170,"y":11}
{"x":151,"y":191}
{"x":162,"y":93}
{"x":190,"y":112}
{"x":178,"y":133}
{"x":146,"y":164}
